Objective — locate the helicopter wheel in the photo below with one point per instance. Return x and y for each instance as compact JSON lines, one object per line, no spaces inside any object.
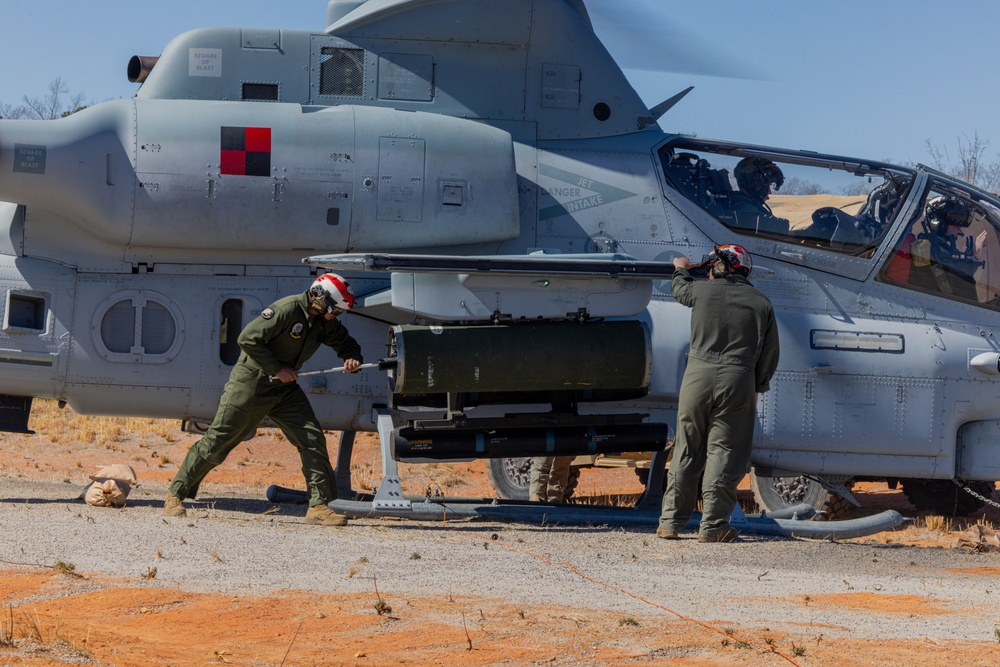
{"x":943,"y":498}
{"x":776,"y":493}
{"x":510,"y":477}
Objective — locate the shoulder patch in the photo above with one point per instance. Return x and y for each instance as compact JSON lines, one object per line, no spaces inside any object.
{"x":267,"y":313}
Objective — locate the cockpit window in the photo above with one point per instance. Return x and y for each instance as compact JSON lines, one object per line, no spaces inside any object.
{"x":838,"y":205}
{"x":951,"y":248}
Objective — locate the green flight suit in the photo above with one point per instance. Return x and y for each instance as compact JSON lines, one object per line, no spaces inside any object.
{"x":285,"y":335}
{"x":733,"y":355}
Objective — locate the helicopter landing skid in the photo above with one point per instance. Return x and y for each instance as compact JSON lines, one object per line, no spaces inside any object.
{"x":390,"y":501}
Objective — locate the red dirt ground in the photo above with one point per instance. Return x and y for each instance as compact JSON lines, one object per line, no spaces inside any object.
{"x":52,"y":618}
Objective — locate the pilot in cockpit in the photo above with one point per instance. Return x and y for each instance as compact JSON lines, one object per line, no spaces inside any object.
{"x":747,"y":207}
{"x":943,"y":258}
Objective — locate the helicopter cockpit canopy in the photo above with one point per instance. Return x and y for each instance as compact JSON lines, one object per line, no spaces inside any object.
{"x":879,"y":218}
{"x":827,"y":202}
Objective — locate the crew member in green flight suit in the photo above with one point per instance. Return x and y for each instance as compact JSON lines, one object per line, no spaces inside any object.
{"x":733,"y":355}
{"x":262,"y":384}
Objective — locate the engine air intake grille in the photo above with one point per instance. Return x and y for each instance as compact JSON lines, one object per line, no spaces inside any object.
{"x":342,"y":72}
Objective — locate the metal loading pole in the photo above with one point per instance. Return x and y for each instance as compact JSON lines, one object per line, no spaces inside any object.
{"x":381,"y":364}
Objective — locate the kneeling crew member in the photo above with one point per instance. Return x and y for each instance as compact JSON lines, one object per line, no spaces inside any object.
{"x":277,"y":343}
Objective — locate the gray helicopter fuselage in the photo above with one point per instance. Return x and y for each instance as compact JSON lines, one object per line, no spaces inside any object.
{"x":143,"y":234}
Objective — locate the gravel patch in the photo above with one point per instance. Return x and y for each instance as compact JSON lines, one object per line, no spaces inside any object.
{"x":234,"y":545}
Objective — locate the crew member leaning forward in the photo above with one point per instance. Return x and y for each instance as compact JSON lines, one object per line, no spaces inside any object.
{"x":733,"y":354}
{"x":276,"y":344}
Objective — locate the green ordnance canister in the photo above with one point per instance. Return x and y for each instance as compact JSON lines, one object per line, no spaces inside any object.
{"x":542,"y":356}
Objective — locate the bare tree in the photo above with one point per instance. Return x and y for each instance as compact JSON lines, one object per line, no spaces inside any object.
{"x":54,"y":104}
{"x":971,"y":165}
{"x":12,"y":112}
{"x":797,"y":186}
{"x":859,"y":188}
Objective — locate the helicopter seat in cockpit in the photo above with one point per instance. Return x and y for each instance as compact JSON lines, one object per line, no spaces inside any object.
{"x":696,"y":179}
{"x":718,"y":189}
{"x":841,"y":229}
{"x":685,"y":171}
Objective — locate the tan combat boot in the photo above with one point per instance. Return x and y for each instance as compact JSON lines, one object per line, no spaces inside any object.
{"x":724,"y":535}
{"x":322,"y":515}
{"x":173,"y":506}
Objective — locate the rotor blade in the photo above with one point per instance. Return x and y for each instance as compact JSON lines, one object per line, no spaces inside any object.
{"x":641,"y":36}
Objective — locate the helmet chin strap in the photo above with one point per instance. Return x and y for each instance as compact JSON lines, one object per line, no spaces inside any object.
{"x":317,"y":303}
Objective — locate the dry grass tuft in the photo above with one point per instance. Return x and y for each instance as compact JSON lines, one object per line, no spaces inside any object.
{"x":7,"y":628}
{"x":938,"y":524}
{"x":363,"y":475}
{"x":64,"y":425}
{"x":382,"y":607}
{"x":359,"y":565}
{"x":444,"y":475}
{"x":609,"y":499}
{"x":31,"y":632}
{"x":65,"y":568}
{"x":33,"y":628}
{"x":468,"y":638}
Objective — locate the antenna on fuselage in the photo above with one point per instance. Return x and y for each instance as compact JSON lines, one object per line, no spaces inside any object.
{"x":666,"y":105}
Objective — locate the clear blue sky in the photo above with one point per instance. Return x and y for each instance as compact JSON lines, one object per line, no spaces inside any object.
{"x":858,"y":77}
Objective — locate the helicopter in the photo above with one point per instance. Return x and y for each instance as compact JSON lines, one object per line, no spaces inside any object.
{"x":488,"y":179}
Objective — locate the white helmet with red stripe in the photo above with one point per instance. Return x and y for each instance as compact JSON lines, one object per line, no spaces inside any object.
{"x":735,"y":257}
{"x":330,"y":292}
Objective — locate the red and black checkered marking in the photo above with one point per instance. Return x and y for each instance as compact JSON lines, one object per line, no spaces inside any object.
{"x":246,"y":151}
